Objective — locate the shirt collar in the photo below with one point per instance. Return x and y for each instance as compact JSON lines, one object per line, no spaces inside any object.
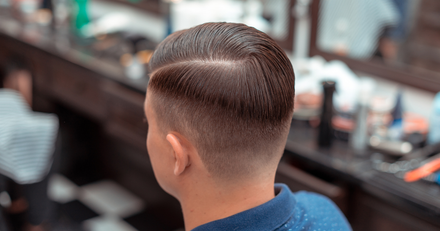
{"x":267,"y":216}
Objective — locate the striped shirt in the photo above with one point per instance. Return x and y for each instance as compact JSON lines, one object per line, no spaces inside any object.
{"x":27,"y":139}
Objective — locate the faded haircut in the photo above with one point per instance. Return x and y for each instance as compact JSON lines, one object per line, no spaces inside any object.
{"x":229,"y":89}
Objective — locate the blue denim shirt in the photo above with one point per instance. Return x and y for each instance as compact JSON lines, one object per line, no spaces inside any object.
{"x":287,"y":211}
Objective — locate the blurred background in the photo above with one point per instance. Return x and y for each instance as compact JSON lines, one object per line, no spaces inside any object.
{"x":365,"y":132}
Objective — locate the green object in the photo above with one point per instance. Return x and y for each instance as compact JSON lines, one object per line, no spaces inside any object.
{"x":81,"y":15}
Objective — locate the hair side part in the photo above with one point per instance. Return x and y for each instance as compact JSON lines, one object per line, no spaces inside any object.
{"x":229,"y":89}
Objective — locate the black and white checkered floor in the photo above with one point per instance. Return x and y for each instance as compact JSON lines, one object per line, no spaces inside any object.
{"x":99,"y":206}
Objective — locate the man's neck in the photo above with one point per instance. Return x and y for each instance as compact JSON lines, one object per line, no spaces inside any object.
{"x":213,"y":202}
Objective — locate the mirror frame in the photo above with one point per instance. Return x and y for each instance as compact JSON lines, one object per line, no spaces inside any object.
{"x":404,"y":74}
{"x":287,"y":43}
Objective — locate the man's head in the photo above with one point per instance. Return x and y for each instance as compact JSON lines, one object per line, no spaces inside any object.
{"x":224,"y":91}
{"x":15,"y":75}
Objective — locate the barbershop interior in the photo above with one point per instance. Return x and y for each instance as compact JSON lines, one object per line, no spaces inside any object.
{"x":365,"y":131}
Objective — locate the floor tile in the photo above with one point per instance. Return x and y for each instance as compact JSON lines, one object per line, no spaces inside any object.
{"x":61,"y":189}
{"x":5,"y":199}
{"x":64,"y":223}
{"x":77,"y":211}
{"x":107,"y":197}
{"x":107,"y":223}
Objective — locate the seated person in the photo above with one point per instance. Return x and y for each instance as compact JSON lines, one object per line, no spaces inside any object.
{"x":27,"y":142}
{"x":219,"y":106}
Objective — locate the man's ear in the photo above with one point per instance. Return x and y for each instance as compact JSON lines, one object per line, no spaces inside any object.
{"x":181,"y":156}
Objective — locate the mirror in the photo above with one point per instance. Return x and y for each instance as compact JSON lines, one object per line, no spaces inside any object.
{"x":278,"y":14}
{"x":271,"y":17}
{"x":366,"y":29}
{"x":395,"y":39}
{"x":280,"y":21}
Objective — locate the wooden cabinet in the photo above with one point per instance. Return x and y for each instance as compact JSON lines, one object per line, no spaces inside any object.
{"x":371,"y":213}
{"x":41,"y":71}
{"x":78,"y":87}
{"x":125,"y":115}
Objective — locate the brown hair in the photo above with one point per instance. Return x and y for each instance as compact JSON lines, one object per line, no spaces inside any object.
{"x":13,"y":63}
{"x":229,"y":88}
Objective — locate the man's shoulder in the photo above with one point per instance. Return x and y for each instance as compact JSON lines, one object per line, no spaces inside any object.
{"x":315,"y":211}
{"x":300,"y":211}
{"x":311,"y":199}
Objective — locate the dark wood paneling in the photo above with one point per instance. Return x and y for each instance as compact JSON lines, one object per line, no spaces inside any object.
{"x":287,"y":43}
{"x":126,"y":115}
{"x":373,"y":214}
{"x":78,"y":87}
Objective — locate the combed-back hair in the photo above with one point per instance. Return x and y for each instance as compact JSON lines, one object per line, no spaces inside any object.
{"x":229,"y":89}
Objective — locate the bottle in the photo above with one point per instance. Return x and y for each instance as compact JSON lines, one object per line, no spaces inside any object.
{"x":395,"y":130}
{"x":359,"y":136}
{"x":81,"y":16}
{"x":434,"y":121}
{"x":325,"y":135}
